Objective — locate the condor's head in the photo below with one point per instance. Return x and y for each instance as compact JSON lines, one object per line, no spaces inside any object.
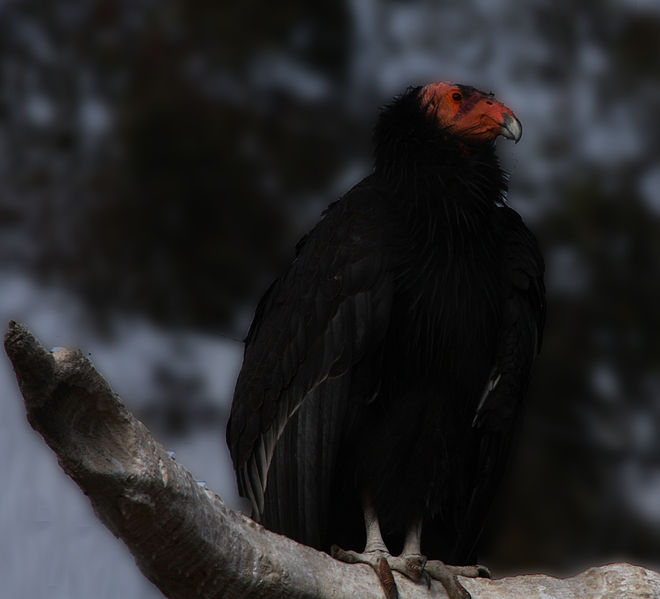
{"x":468,"y":113}
{"x":443,"y":126}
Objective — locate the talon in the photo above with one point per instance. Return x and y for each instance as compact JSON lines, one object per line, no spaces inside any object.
{"x":483,"y":572}
{"x":427,"y":579}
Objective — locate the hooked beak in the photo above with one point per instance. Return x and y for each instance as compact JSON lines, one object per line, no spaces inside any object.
{"x":510,"y":127}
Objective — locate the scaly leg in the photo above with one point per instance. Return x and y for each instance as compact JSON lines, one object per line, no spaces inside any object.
{"x":410,"y":563}
{"x":375,"y":551}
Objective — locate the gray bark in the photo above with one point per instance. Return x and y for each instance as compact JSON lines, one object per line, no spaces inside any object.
{"x":183,"y":537}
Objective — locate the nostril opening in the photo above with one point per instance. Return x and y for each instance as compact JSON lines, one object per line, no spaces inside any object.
{"x":489,"y":102}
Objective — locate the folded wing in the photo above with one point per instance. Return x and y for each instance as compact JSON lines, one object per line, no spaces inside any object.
{"x":295,"y":396}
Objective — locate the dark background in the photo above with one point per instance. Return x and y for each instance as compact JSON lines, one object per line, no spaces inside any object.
{"x":158,"y":161}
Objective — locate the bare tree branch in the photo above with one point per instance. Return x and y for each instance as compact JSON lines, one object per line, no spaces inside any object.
{"x":183,"y":537}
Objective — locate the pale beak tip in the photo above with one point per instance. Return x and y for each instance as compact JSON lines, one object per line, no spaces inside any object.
{"x":511,"y":128}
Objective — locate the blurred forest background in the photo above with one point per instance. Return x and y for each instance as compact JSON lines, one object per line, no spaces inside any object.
{"x":159,"y":159}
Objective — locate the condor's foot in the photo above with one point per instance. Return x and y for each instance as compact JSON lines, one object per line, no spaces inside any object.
{"x":383,"y":564}
{"x":413,"y":566}
{"x":447,"y":577}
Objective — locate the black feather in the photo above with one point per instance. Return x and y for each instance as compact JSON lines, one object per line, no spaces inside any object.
{"x":370,"y":363}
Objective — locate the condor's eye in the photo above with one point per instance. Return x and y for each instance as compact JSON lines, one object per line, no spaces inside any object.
{"x":457,"y":97}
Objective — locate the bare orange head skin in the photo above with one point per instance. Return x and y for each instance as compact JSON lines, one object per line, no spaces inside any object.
{"x":468,"y":113}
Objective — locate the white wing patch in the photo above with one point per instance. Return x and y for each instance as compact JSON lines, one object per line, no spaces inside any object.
{"x":490,"y":385}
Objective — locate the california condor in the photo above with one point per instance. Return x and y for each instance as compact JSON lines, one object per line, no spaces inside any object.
{"x":384,"y":371}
